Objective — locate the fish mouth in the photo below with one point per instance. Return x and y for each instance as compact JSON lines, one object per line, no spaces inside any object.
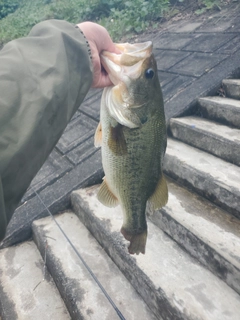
{"x":128,"y":63}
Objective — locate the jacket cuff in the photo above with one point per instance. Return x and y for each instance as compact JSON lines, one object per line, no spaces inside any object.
{"x":87,"y":43}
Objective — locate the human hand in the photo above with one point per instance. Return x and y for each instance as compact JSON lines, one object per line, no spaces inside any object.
{"x":99,"y":40}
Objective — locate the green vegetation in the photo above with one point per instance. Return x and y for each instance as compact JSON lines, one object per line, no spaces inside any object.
{"x":120,"y":17}
{"x":8,"y":6}
{"x":135,"y":16}
{"x":205,"y":5}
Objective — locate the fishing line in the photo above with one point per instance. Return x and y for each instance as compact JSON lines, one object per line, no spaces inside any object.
{"x":120,"y":315}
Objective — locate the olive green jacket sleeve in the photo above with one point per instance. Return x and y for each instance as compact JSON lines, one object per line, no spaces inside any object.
{"x":43,"y":80}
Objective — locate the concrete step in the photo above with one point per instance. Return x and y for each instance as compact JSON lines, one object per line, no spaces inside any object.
{"x":204,"y":230}
{"x":224,"y":110}
{"x":26,"y":291}
{"x":214,"y":178}
{"x":173,"y":284}
{"x":217,"y":139}
{"x":82,"y":295}
{"x":232,"y":88}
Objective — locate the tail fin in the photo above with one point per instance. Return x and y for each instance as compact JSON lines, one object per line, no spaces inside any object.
{"x":137,"y":241}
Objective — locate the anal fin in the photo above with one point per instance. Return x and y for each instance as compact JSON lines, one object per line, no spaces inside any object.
{"x":160,"y":196}
{"x":106,"y":197}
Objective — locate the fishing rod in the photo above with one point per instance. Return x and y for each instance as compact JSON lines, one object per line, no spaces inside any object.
{"x":120,"y":315}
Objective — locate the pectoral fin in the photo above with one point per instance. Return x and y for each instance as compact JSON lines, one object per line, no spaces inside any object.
{"x":98,"y":136}
{"x":160,"y":196}
{"x":106,"y":197}
{"x":116,"y":140}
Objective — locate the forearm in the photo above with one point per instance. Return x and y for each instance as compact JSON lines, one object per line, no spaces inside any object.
{"x":43,"y":80}
{"x":48,"y":71}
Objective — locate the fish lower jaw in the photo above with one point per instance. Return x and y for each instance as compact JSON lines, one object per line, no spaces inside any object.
{"x":137,"y":241}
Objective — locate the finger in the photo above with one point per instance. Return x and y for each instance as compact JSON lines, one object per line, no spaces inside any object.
{"x":108,"y":45}
{"x":104,"y":42}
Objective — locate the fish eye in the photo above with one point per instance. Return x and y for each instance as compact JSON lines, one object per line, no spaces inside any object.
{"x":149,"y":73}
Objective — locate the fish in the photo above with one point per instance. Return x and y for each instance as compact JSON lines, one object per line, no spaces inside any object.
{"x":132,"y":136}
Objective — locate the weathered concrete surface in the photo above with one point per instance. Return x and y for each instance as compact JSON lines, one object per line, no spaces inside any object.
{"x":55,"y":196}
{"x":55,"y":167}
{"x":232,"y":88}
{"x":197,"y":64}
{"x":224,"y":110}
{"x":204,"y":230}
{"x":219,"y":140}
{"x":209,"y":42}
{"x":80,"y":292}
{"x":172,"y":283}
{"x":208,"y":175}
{"x":25,"y":294}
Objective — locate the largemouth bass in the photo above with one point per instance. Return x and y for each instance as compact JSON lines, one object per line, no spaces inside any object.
{"x":132,"y":136}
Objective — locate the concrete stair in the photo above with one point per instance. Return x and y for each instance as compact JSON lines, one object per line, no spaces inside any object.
{"x":27,"y":291}
{"x":211,"y":177}
{"x":212,"y":137}
{"x":58,"y":285}
{"x":223,"y":110}
{"x":231,"y":88}
{"x":202,"y":217}
{"x":172,"y":283}
{"x":208,"y":233}
{"x":191,"y":269}
{"x":83,"y":297}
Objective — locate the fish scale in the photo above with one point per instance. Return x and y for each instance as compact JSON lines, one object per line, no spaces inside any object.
{"x":133,"y":139}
